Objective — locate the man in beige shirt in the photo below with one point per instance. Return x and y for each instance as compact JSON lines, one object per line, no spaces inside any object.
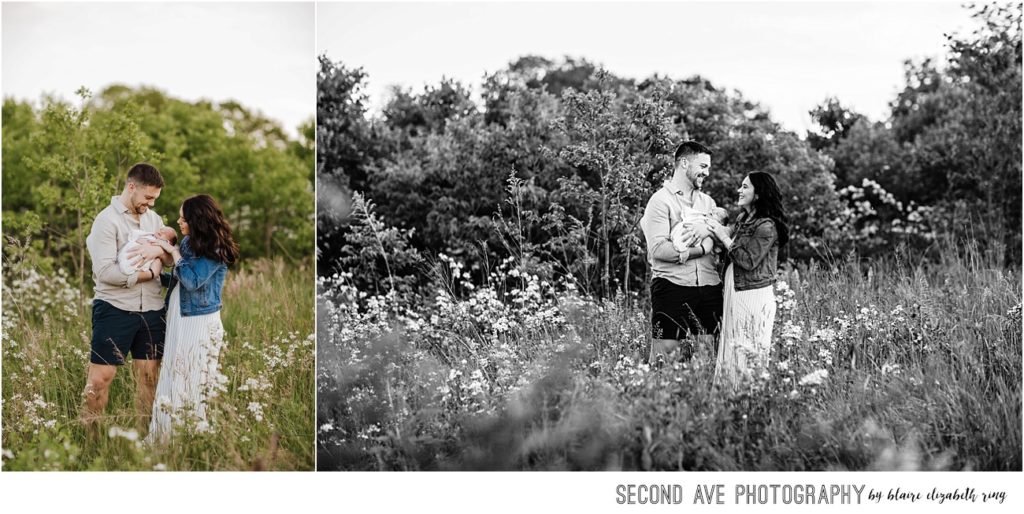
{"x":127,"y":311}
{"x":686,"y":290}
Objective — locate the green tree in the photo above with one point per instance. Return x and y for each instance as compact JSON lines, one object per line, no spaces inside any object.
{"x":236,"y":155}
{"x":79,"y":162}
{"x":63,"y":162}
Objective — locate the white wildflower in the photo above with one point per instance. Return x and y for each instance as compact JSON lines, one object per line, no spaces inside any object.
{"x":130,"y":434}
{"x":814,"y":377}
{"x":891,"y":369}
{"x":257,"y":410}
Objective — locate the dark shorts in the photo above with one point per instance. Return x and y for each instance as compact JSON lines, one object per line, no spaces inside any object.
{"x":117,"y":334}
{"x":679,"y":310}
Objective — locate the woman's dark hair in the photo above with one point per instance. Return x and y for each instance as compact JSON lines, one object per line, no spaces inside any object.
{"x":768,"y":202}
{"x":209,"y":233}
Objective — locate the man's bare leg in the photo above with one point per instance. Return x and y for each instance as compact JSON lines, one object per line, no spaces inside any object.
{"x":146,"y":373}
{"x":705,"y":350}
{"x":96,"y":394}
{"x":662,"y":347}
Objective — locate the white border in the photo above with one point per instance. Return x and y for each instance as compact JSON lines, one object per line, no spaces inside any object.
{"x":453,"y":492}
{"x":356,"y":492}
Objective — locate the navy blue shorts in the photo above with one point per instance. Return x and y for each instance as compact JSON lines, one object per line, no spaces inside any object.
{"x":117,"y":334}
{"x":678,"y":311}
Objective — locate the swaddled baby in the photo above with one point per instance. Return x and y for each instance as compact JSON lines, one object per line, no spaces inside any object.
{"x":167,"y":234}
{"x":682,"y":239}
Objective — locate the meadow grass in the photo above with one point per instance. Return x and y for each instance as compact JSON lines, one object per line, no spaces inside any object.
{"x":891,"y":364}
{"x":264,"y":420}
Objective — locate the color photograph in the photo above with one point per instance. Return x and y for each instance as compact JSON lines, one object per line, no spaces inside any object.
{"x":158,"y":236}
{"x":669,"y":236}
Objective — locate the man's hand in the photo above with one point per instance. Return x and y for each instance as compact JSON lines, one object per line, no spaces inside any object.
{"x":685,"y":239}
{"x":144,"y":252}
{"x":697,"y":230}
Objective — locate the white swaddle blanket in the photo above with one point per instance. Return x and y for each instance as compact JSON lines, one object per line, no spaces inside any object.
{"x":680,"y":240}
{"x":122,"y":256}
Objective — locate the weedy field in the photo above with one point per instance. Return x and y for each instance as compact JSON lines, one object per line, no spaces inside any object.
{"x":263,"y":420}
{"x":888,"y":365}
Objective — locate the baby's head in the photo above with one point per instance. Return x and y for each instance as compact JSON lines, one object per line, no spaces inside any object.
{"x":168,"y":234}
{"x":721,"y":215}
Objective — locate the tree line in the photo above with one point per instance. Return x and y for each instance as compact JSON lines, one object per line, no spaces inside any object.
{"x":556,"y":161}
{"x":64,"y":160}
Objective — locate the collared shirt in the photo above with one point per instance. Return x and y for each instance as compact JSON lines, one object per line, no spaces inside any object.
{"x":664,"y":211}
{"x":111,"y":230}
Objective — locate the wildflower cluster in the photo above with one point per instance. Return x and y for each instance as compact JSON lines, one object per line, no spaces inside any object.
{"x":34,"y":413}
{"x":31,"y":294}
{"x":808,"y":352}
{"x":877,"y":218}
{"x":469,"y":350}
{"x":249,"y":389}
{"x":510,"y":301}
{"x":501,"y":368}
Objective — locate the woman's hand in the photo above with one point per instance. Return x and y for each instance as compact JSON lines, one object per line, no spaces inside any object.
{"x":717,"y":229}
{"x":167,"y":247}
{"x":720,"y":232}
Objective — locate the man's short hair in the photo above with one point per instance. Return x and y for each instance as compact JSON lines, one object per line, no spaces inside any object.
{"x":690,"y":148}
{"x":146,"y":174}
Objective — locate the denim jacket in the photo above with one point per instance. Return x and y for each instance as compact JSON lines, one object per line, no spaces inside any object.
{"x":754,"y":254}
{"x":201,"y":280}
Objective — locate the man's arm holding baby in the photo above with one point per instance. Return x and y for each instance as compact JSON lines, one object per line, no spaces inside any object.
{"x":102,"y":246}
{"x":657,"y":229}
{"x":148,"y":250}
{"x":694,"y":231}
{"x":152,"y":272}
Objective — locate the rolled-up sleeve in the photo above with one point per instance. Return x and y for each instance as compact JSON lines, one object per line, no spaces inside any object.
{"x":657,"y":228}
{"x":750,"y":248}
{"x":102,"y":246}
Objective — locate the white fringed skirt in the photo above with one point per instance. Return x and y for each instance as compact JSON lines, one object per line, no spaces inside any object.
{"x":190,"y":371}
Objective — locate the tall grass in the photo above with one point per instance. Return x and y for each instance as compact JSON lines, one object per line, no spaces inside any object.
{"x":263,"y":421}
{"x":885,"y":365}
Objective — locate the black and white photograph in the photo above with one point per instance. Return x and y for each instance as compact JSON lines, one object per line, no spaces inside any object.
{"x":668,"y":236}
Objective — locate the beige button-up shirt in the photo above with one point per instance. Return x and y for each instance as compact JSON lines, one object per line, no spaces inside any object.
{"x":664,"y":211}
{"x":111,"y":230}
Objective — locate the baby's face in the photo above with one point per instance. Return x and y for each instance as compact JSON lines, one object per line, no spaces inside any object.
{"x":167,"y":234}
{"x":721,"y":215}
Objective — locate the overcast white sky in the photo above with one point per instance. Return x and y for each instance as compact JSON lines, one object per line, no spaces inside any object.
{"x":260,"y":54}
{"x":787,"y":56}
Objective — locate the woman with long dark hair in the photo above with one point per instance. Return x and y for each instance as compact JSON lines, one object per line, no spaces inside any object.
{"x":190,"y":373}
{"x":752,"y":245}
